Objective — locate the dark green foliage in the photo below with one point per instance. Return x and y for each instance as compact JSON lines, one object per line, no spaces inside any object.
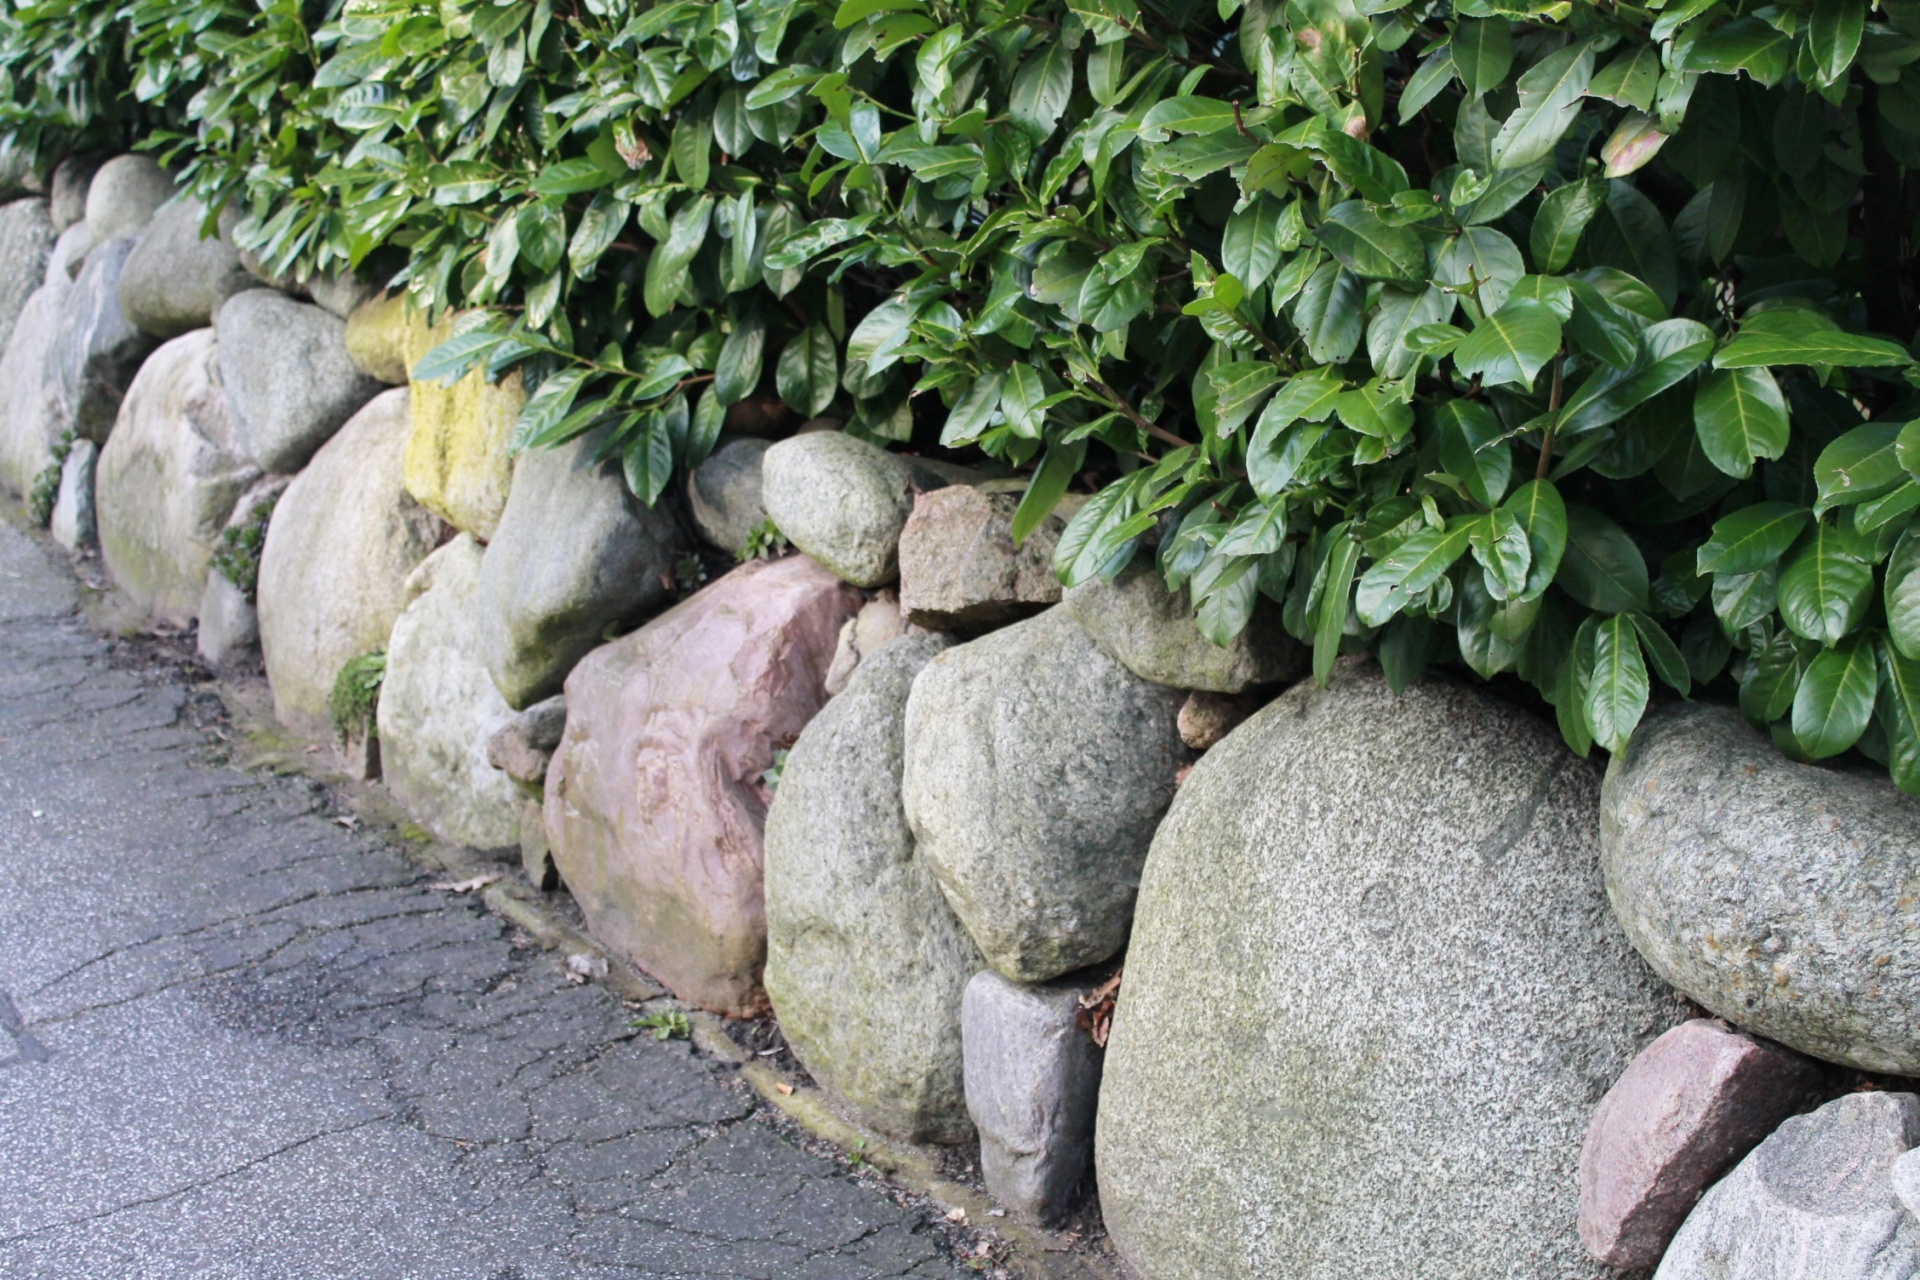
{"x":1566,"y":340}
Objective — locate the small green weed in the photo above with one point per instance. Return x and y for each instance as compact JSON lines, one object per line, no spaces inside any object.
{"x":46,"y":485}
{"x":238,"y":555}
{"x":666,"y":1026}
{"x":766,"y":542}
{"x":356,"y":694}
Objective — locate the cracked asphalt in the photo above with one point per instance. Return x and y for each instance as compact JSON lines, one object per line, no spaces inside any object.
{"x":238,"y":1040}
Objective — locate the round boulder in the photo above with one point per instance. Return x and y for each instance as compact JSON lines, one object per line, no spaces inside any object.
{"x":27,"y":238}
{"x":1372,"y":997}
{"x":843,"y":501}
{"x":1779,"y":895}
{"x":124,"y":195}
{"x":168,"y":479}
{"x":438,"y":709}
{"x":1036,"y":770}
{"x":1151,"y":631}
{"x":866,"y":965}
{"x":176,"y":278}
{"x":289,"y":375}
{"x":723,"y":493}
{"x":333,"y":572}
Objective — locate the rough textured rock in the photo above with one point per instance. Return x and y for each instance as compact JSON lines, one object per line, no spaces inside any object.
{"x":723,"y":493}
{"x":1205,"y":718}
{"x":536,"y":853}
{"x":545,"y":601}
{"x":69,"y":253}
{"x":29,"y":425}
{"x":1036,"y":770}
{"x":27,"y":238}
{"x":1033,"y":1079}
{"x":169,"y":477}
{"x":229,"y":625}
{"x":878,"y":622}
{"x":1151,"y":631}
{"x":96,"y":350}
{"x":865,"y":962}
{"x":959,"y":568}
{"x":1778,"y":895}
{"x":176,"y":279}
{"x":68,"y":191}
{"x":377,"y":338}
{"x":655,"y":799}
{"x":438,"y":709}
{"x":1815,"y":1199}
{"x":74,"y":524}
{"x":843,"y":501}
{"x":1689,"y":1108}
{"x":342,"y":541}
{"x":457,"y":463}
{"x":18,"y":177}
{"x":341,"y":294}
{"x":288,"y":376}
{"x":125,"y":193}
{"x":523,"y":746}
{"x":1372,"y":996}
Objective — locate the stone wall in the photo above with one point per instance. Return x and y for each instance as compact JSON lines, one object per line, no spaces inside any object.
{"x":1403,"y":988}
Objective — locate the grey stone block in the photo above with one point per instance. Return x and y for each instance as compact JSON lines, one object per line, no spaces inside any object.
{"x":73,"y":525}
{"x":1033,"y":1080}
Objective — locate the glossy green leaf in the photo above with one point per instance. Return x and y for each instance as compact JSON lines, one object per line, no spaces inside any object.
{"x":1564,"y":214}
{"x":1825,"y":586}
{"x":1740,"y":415}
{"x":1550,"y":94}
{"x":1835,"y":698}
{"x":1512,"y":345}
{"x":1752,"y":538}
{"x":1370,"y":247}
{"x":1410,"y":568}
{"x":1602,"y":568}
{"x":1860,"y":465}
{"x":1617,"y":691}
{"x":1328,"y":627}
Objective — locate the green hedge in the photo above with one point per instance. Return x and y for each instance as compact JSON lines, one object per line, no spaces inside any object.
{"x":1567,"y":340}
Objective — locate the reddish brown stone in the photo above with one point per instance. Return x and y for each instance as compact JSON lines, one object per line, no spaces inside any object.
{"x":1689,"y":1108}
{"x":1205,"y":717}
{"x":959,"y":567}
{"x":655,"y":799}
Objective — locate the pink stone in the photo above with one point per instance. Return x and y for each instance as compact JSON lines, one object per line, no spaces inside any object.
{"x":1689,"y":1108}
{"x":655,"y":798}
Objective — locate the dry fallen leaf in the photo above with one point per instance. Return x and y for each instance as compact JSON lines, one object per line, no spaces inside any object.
{"x":785,"y":1090}
{"x":956,"y":1215}
{"x":348,"y":821}
{"x":1096,"y":1009}
{"x":313,"y":749}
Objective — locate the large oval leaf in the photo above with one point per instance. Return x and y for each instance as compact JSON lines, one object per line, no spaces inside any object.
{"x":1835,"y":699}
{"x":1825,"y":587}
{"x":1602,"y":569}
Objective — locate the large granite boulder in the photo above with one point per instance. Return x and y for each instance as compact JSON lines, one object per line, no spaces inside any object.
{"x":1151,"y":631}
{"x":656,"y":797}
{"x":168,"y":478}
{"x":229,"y":623}
{"x":1779,"y":895}
{"x":341,"y":293}
{"x":96,"y":349}
{"x":544,"y":601}
{"x":865,"y":962}
{"x":723,"y":494}
{"x":343,"y":538}
{"x":843,"y":501}
{"x":29,"y":423}
{"x":18,"y":176}
{"x":960,"y":569}
{"x":1036,"y":771}
{"x":1372,"y":996}
{"x":1817,"y":1199}
{"x":67,"y":193}
{"x":124,"y":194}
{"x":176,"y":278}
{"x":27,"y":238}
{"x":1688,"y":1109}
{"x":438,"y":708}
{"x":288,"y":374}
{"x":457,"y":461}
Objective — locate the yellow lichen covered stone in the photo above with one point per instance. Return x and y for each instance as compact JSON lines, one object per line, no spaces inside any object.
{"x":457,"y":463}
{"x":377,"y":337}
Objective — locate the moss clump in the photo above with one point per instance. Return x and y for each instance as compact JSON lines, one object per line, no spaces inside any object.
{"x":46,"y":485}
{"x":237,"y":558}
{"x":356,"y":694}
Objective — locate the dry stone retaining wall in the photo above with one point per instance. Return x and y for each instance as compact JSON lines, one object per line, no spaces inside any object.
{"x":1403,"y":989}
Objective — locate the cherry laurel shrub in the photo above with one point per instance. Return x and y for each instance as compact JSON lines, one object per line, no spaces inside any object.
{"x":1562,"y":339}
